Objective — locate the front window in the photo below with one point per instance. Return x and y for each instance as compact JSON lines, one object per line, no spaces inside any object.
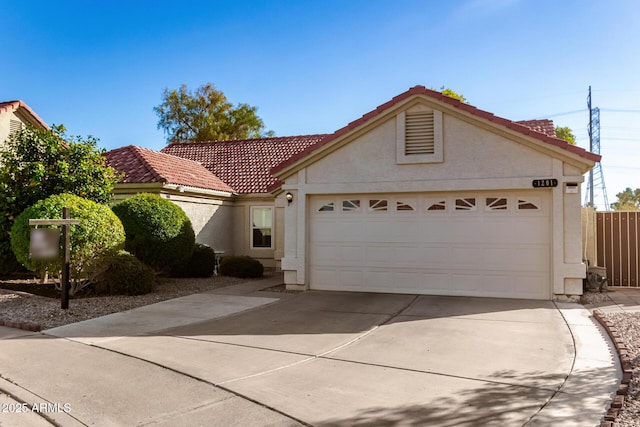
{"x":261,"y":227}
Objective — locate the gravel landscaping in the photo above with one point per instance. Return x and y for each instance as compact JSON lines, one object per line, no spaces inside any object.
{"x":21,"y":307}
{"x":628,"y":327}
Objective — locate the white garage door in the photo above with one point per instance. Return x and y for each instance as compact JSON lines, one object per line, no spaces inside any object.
{"x":475,"y":244}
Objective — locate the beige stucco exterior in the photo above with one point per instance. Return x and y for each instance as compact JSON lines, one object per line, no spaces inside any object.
{"x":5,"y":123}
{"x":269,"y":257}
{"x":477,"y":156}
{"x":220,"y":220}
{"x":12,"y":116}
{"x":211,"y":212}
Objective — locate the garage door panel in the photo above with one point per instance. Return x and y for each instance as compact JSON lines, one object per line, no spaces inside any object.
{"x":378,"y":279}
{"x":350,"y":278}
{"x":378,"y":253}
{"x":324,"y":277}
{"x":350,"y":254}
{"x":477,"y":252}
{"x":403,"y":231}
{"x":325,"y":254}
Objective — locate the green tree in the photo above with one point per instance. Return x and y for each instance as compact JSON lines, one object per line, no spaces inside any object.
{"x":206,"y":115}
{"x":36,"y":163}
{"x":628,"y":200}
{"x":566,"y":134}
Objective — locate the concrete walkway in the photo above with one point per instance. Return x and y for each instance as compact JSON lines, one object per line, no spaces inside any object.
{"x":620,"y":299}
{"x":239,"y":356}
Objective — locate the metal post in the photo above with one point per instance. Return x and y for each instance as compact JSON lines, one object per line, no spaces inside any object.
{"x":66,"y":259}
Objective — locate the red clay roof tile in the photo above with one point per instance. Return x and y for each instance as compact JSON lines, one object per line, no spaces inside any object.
{"x":141,"y":165}
{"x":543,"y":126}
{"x":244,"y":164}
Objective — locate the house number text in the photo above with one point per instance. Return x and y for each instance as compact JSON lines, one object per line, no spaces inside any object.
{"x":540,"y":183}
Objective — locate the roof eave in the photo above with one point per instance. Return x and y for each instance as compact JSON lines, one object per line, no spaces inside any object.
{"x":577,"y":156}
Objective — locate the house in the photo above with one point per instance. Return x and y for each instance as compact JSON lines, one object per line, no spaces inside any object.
{"x":425,"y":194}
{"x":239,"y":218}
{"x":14,"y":115}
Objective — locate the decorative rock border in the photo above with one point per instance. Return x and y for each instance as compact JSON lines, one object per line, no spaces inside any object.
{"x":27,"y":326}
{"x":627,"y":369}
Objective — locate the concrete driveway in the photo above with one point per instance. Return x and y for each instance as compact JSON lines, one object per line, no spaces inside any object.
{"x":321,"y":358}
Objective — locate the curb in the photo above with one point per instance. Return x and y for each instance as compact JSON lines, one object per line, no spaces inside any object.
{"x":627,"y":369}
{"x":27,"y":326}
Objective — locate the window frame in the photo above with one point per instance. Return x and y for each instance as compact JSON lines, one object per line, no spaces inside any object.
{"x":252,"y":227}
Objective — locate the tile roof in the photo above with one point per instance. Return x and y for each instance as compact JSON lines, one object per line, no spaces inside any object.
{"x":543,"y":126}
{"x":17,"y":104}
{"x":421,"y":90}
{"x":142,"y":165}
{"x":244,"y":164}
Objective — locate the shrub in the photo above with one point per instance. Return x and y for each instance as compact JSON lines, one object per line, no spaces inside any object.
{"x":157,"y":231}
{"x":201,"y":264}
{"x":99,"y":233}
{"x":38,"y":163}
{"x":8,"y":262}
{"x":241,"y":266}
{"x":123,"y":274}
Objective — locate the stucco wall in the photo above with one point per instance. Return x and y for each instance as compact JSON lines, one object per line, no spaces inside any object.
{"x":241,"y":213}
{"x":469,"y":153}
{"x":476,"y":157}
{"x":211,"y":221}
{"x":5,"y":120}
{"x":211,"y":216}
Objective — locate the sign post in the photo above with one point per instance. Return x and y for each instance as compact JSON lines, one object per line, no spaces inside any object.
{"x":66,"y":222}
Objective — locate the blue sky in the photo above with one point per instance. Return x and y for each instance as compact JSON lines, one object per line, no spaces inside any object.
{"x":99,"y":67}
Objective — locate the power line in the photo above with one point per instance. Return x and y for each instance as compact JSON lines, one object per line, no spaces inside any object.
{"x":617,"y":110}
{"x":566,"y":113}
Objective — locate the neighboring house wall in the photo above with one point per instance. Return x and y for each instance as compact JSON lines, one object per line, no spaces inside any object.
{"x":9,"y":122}
{"x":13,"y":116}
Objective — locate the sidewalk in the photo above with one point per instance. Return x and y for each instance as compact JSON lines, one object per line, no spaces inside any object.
{"x":620,"y":299}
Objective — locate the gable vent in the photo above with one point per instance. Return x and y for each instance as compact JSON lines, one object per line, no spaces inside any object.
{"x":14,"y":126}
{"x":419,"y":133}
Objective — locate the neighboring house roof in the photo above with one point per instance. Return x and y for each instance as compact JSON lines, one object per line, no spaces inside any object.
{"x":244,"y":164}
{"x":543,"y":126}
{"x":141,"y":165}
{"x":22,"y":110}
{"x":421,"y":90}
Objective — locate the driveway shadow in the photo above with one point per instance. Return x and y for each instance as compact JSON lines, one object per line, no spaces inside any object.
{"x":494,"y":404}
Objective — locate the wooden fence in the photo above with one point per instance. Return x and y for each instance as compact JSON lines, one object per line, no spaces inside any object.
{"x":618,"y":240}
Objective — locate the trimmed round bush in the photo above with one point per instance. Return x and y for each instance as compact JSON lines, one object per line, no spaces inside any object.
{"x":201,"y":264}
{"x":157,"y":231}
{"x":241,"y":266}
{"x":124,"y":274}
{"x":98,"y":234}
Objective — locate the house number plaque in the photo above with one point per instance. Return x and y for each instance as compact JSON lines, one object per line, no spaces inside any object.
{"x":542,"y":183}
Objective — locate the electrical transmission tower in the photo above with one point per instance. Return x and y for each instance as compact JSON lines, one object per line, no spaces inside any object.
{"x":596,"y":190}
